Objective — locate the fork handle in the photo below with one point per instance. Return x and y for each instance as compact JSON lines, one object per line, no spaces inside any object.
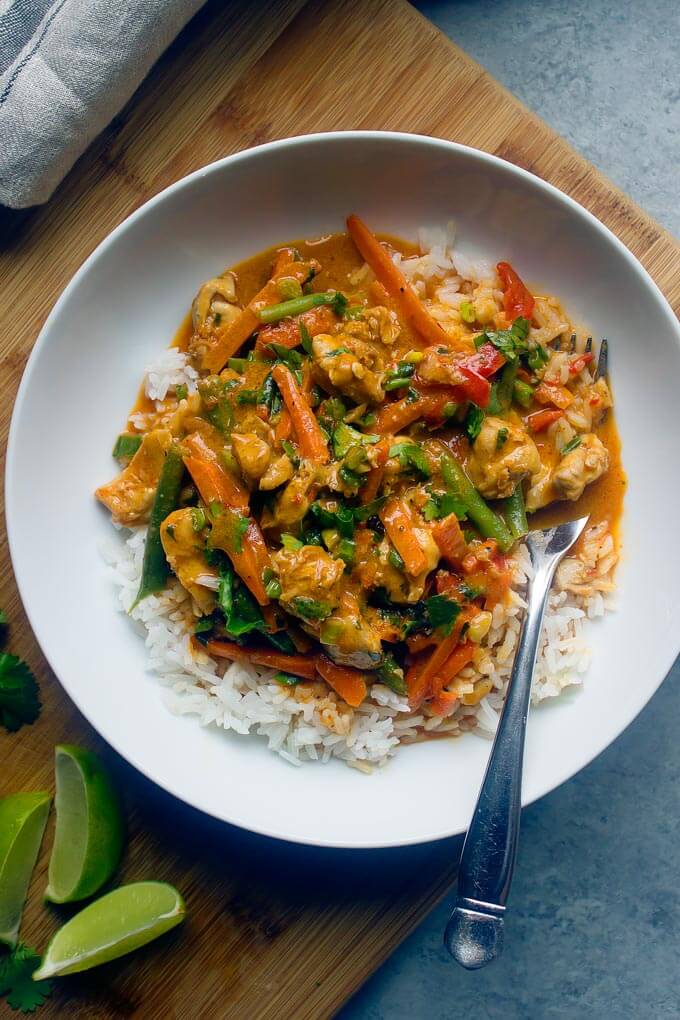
{"x":474,"y":934}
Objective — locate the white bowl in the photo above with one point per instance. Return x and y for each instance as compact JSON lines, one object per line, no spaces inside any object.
{"x":123,"y":307}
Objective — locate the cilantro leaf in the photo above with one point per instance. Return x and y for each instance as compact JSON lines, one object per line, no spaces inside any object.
{"x":291,"y":359}
{"x":305,"y":339}
{"x":411,"y":456}
{"x":16,"y":968}
{"x":442,"y":612}
{"x":19,"y":702}
{"x":441,"y":504}
{"x":473,"y":422}
{"x":510,"y":342}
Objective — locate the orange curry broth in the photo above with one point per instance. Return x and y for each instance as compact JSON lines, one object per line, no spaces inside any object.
{"x":602,"y":500}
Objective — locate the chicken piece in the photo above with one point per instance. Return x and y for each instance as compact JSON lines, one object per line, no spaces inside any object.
{"x":280,"y":470}
{"x":129,"y":496}
{"x":591,"y":570}
{"x":252,"y":454}
{"x":216,"y":298}
{"x":349,"y":638}
{"x":308,"y":573}
{"x":400,"y":586}
{"x":580,"y":467}
{"x":293,"y":503}
{"x":440,"y":365}
{"x":184,"y":550}
{"x":503,"y":454}
{"x":351,"y":366}
{"x":377,"y":324}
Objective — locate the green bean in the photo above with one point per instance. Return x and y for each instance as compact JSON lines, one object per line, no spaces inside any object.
{"x":301,"y":304}
{"x":523,"y":393}
{"x":460,"y":486}
{"x":155,"y":567}
{"x":515,"y":514}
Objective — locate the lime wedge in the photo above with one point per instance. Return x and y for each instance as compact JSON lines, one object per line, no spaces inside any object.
{"x":112,"y":926}
{"x":22,"y":823}
{"x":88,"y":840}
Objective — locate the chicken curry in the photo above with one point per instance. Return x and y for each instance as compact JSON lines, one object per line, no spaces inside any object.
{"x":342,"y":473}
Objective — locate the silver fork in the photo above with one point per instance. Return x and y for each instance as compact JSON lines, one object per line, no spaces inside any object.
{"x":474,"y":934}
{"x":603,"y":356}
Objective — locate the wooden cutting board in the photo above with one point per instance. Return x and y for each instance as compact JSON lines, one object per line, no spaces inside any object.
{"x":273,"y":930}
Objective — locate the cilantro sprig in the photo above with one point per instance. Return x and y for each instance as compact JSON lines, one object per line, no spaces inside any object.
{"x":16,"y":983}
{"x":19,"y":702}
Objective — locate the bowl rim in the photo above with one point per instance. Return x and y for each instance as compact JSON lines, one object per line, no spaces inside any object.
{"x":258,"y":151}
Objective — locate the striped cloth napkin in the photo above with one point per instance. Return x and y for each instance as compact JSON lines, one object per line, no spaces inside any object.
{"x":66,"y":68}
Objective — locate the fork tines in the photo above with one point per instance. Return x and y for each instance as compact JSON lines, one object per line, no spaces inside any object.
{"x":570,"y":346}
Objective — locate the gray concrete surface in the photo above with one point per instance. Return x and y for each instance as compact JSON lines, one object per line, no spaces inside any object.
{"x":594,"y":929}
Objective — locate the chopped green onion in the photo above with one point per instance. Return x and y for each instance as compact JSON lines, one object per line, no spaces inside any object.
{"x":395,"y":560}
{"x":289,"y":288}
{"x":571,"y":445}
{"x":198,"y":519}
{"x":291,"y":543}
{"x":346,"y":550}
{"x":126,"y":446}
{"x":397,"y":383}
{"x":290,"y":452}
{"x":467,"y":311}
{"x":238,"y":364}
{"x":287,"y":679}
{"x":523,"y":393}
{"x":273,"y":588}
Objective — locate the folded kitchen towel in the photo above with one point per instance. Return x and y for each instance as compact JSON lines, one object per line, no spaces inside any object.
{"x":66,"y":68}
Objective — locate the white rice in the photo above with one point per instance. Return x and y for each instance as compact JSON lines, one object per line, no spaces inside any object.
{"x":168,"y":371}
{"x":299,"y":727}
{"x":300,"y":724}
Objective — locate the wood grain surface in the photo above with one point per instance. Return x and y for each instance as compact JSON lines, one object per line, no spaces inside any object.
{"x":273,"y":930}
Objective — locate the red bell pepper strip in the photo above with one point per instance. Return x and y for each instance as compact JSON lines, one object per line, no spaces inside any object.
{"x":517,"y":299}
{"x":542,"y":420}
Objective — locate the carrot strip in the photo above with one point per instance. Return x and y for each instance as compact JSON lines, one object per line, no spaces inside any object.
{"x":297,"y":665}
{"x":458,"y":659}
{"x":547,"y":393}
{"x":288,"y":333}
{"x":310,"y":437}
{"x":393,"y":418}
{"x":230,"y":338}
{"x":214,"y":482}
{"x":422,"y":677}
{"x":350,"y":684}
{"x":247,"y":551}
{"x":448,"y":535}
{"x":399,"y":527}
{"x":444,"y":703}
{"x":396,"y":284}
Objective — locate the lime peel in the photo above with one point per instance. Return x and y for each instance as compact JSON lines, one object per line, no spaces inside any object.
{"x":22,"y":823}
{"x":115,"y":924}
